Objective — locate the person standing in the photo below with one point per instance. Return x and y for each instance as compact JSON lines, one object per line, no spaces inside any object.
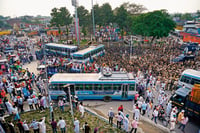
{"x":119,"y":120}
{"x":121,"y":108}
{"x":126,"y":122}
{"x":35,"y":126}
{"x":86,"y":128}
{"x":42,"y":125}
{"x":9,"y":107}
{"x":184,"y":121}
{"x":62,"y":125}
{"x":54,"y":125}
{"x":11,"y":127}
{"x":76,"y":125}
{"x":20,"y":126}
{"x":144,"y":108}
{"x":137,"y":113}
{"x":111,"y":115}
{"x":81,"y":109}
{"x":30,"y":103}
{"x":61,"y":105}
{"x":15,"y":113}
{"x":172,"y":122}
{"x":25,"y":126}
{"x":35,"y":101}
{"x":180,"y":116}
{"x":20,"y":104}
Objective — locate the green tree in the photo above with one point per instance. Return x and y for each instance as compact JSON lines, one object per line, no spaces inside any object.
{"x":60,"y":17}
{"x":106,"y":14}
{"x":83,"y":15}
{"x":154,"y":24}
{"x":186,"y":16}
{"x":121,"y":18}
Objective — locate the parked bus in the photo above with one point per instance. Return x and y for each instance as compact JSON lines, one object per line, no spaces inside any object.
{"x":88,"y":54}
{"x":188,"y":78}
{"x":60,"y":49}
{"x":93,"y":86}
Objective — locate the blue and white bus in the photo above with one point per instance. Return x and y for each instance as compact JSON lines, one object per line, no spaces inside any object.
{"x":88,"y":54}
{"x":60,"y":49}
{"x":189,"y":77}
{"x":93,"y":86}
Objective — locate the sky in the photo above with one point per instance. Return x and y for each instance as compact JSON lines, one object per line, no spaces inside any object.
{"x":15,"y":8}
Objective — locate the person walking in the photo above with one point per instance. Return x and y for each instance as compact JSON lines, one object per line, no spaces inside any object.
{"x":62,"y":125}
{"x":76,"y":125}
{"x":172,"y":122}
{"x":15,"y":113}
{"x":20,"y":104}
{"x":54,"y":125}
{"x":137,"y":113}
{"x":121,"y":108}
{"x":155,"y":115}
{"x":134,"y":125}
{"x":111,"y":115}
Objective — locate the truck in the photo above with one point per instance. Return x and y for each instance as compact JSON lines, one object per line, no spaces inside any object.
{"x":188,"y":100}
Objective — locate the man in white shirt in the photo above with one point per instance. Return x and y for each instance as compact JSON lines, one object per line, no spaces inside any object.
{"x":81,"y":109}
{"x":155,"y":115}
{"x":25,"y":126}
{"x":30,"y":102}
{"x":76,"y":125}
{"x":42,"y":125}
{"x":61,"y":124}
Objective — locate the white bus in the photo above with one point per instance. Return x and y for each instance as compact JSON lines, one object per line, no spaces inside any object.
{"x":189,"y":77}
{"x":87,"y":54}
{"x":93,"y":86}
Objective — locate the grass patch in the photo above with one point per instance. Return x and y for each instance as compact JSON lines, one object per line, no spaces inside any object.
{"x":93,"y":121}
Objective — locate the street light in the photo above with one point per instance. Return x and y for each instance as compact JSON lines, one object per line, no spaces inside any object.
{"x":93,"y":18}
{"x":75,"y":4}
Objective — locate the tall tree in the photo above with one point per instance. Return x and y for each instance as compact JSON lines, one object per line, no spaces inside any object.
{"x":61,"y":17}
{"x":121,"y":17}
{"x":154,"y":24}
{"x":106,"y":14}
{"x":83,"y":15}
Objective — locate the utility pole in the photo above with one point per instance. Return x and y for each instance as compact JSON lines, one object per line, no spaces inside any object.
{"x":75,"y":4}
{"x":47,"y":85}
{"x":93,"y":19}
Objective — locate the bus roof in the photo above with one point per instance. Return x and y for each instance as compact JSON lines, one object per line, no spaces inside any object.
{"x":61,"y":45}
{"x":191,"y":72}
{"x":87,"y":50}
{"x":120,"y":77}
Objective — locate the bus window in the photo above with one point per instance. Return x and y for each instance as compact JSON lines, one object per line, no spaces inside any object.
{"x":195,"y":81}
{"x":117,"y":87}
{"x":185,"y":79}
{"x":97,"y":87}
{"x":89,"y":87}
{"x":80,"y":87}
{"x":131,"y":87}
{"x":107,"y":87}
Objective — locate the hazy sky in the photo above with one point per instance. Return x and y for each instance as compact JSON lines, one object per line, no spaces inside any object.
{"x":15,"y":8}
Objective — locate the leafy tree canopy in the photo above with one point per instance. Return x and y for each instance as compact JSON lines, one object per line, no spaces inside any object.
{"x":154,"y":24}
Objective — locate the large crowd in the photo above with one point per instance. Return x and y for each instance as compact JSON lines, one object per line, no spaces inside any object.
{"x":150,"y":64}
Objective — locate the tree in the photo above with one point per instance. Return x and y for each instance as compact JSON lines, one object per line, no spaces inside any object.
{"x":121,"y":17}
{"x":154,"y":24}
{"x":83,"y":15}
{"x":60,"y":17}
{"x":106,"y":14}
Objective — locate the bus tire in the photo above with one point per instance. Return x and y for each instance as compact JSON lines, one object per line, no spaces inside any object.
{"x":107,"y":99}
